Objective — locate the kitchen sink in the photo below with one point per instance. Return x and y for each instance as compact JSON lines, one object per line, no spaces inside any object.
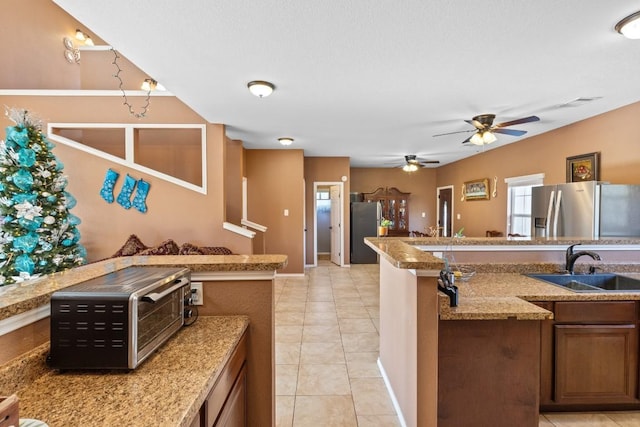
{"x":602,"y":282}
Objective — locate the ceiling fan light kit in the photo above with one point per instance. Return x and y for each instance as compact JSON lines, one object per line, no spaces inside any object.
{"x":412,"y":164}
{"x":630,"y":26}
{"x":485,"y":130}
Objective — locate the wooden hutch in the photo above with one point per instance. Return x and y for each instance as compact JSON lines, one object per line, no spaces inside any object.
{"x":394,"y":205}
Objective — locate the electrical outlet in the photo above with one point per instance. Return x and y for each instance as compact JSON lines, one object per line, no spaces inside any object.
{"x":197,"y":296}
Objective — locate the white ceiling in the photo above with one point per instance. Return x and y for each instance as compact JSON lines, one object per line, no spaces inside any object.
{"x":376,"y":79}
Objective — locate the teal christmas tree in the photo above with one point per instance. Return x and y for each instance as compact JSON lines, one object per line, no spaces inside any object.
{"x":38,"y":234}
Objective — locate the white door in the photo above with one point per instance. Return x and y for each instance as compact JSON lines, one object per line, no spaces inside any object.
{"x":336,"y":227}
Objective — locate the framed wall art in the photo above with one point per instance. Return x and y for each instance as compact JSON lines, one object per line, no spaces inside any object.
{"x":477,"y":189}
{"x":585,"y":167}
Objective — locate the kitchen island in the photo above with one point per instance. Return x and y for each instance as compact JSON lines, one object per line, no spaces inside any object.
{"x":232,"y":285}
{"x":478,"y":363}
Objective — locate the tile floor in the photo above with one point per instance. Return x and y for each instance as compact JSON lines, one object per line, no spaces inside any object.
{"x":327,"y":349}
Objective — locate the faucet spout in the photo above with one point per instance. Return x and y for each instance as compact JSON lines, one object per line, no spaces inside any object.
{"x":572,"y":257}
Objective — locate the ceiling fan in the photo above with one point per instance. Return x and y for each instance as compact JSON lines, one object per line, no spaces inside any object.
{"x":485,"y":129}
{"x":412,"y":164}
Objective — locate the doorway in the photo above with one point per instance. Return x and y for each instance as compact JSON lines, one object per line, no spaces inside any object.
{"x":445,"y":210}
{"x":327,"y":222}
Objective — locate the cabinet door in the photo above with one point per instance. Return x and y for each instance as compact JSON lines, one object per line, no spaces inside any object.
{"x":234,"y":412}
{"x":595,"y":364}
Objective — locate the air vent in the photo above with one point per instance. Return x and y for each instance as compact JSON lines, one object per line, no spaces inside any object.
{"x":579,"y":101}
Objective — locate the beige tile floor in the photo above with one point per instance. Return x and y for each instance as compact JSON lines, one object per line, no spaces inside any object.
{"x":327,"y":348}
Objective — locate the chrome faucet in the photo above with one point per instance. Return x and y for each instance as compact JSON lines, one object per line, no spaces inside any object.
{"x":571,"y":257}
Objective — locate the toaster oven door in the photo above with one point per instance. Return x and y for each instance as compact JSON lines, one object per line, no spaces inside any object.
{"x":159,"y":316}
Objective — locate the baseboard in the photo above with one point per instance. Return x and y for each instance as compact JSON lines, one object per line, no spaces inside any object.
{"x":394,"y":400}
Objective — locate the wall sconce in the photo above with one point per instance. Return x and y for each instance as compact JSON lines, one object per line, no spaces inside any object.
{"x":71,"y":53}
{"x":149,"y":85}
{"x":260,"y":88}
{"x":285,"y":141}
{"x":80,"y":35}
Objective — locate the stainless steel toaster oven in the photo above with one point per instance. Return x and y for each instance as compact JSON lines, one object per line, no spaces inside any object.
{"x":117,"y":320}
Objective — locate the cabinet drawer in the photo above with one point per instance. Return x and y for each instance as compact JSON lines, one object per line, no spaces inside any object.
{"x":595,"y":311}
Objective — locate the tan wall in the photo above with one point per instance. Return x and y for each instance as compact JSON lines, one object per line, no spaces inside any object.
{"x":173,"y":212}
{"x":421,"y":184}
{"x":31,"y":32}
{"x":275,"y":182}
{"x":234,"y":170}
{"x":325,"y":169}
{"x":613,"y":134}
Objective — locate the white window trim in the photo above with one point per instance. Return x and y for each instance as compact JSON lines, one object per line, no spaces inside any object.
{"x":520,"y":181}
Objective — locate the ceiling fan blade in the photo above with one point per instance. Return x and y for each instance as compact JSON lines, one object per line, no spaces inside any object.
{"x":518,"y":121}
{"x":512,"y":132}
{"x":427,"y":162}
{"x":451,"y":133}
{"x":467,"y":140}
{"x":475,"y":124}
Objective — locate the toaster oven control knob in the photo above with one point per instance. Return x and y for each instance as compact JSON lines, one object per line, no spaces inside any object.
{"x":188,"y":313}
{"x":188,"y":301}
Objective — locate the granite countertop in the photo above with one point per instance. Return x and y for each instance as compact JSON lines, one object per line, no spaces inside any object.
{"x":22,"y":297}
{"x":167,"y":389}
{"x":508,"y":241}
{"x":487,"y":296}
{"x":499,"y":290}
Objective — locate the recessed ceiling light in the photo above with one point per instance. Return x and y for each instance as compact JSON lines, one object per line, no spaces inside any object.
{"x":630,"y":26}
{"x":286,"y":141}
{"x":260,"y":88}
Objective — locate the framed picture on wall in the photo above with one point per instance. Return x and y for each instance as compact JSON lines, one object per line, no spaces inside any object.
{"x":585,"y":167}
{"x":477,"y":189}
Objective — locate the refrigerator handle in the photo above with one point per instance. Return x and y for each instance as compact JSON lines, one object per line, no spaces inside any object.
{"x":556,"y":213}
{"x":547,"y":222}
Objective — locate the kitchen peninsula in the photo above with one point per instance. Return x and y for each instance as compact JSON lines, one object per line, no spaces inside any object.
{"x":483,"y":362}
{"x":238,"y":299}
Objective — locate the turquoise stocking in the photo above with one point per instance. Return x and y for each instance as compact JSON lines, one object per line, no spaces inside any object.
{"x":107,"y":187}
{"x":141,"y":195}
{"x":124,"y":198}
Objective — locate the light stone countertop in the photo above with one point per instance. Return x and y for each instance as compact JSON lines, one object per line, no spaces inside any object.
{"x":22,"y":297}
{"x":500,"y":291}
{"x":167,"y":389}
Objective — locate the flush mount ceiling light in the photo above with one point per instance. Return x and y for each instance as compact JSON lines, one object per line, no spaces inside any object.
{"x":285,"y":141}
{"x":630,"y":26}
{"x":260,"y":88}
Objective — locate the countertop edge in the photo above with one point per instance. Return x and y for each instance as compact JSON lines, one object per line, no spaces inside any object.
{"x":21,"y":297}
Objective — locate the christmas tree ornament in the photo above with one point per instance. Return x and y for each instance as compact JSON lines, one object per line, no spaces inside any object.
{"x":38,"y":234}
{"x":124,"y":198}
{"x":141,"y":196}
{"x":109,"y":183}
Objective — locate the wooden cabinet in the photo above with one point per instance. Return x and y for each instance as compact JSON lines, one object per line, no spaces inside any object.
{"x":394,"y":205}
{"x":225,"y":405}
{"x":234,"y":411}
{"x":589,"y":355}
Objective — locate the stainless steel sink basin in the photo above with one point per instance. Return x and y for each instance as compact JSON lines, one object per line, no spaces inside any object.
{"x":603,"y":282}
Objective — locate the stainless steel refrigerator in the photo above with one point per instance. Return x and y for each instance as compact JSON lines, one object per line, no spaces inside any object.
{"x":365,"y":218}
{"x":587,"y":210}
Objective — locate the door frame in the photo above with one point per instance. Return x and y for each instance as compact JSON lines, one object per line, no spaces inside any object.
{"x":453,"y":201}
{"x":340,"y":185}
